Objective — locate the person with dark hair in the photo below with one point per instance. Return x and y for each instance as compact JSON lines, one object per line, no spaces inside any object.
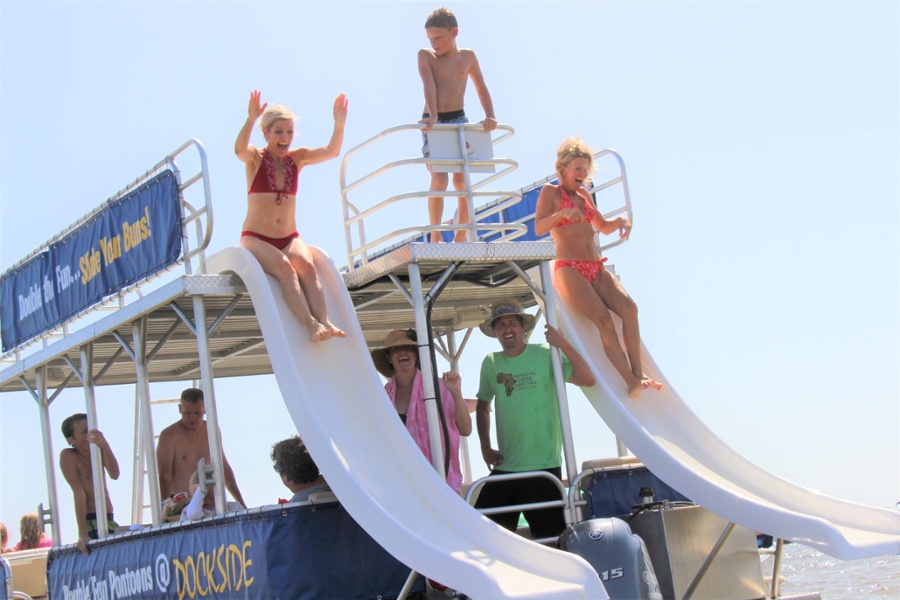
{"x":75,"y":464}
{"x":519,"y":381}
{"x":181,"y":446}
{"x":298,"y":471}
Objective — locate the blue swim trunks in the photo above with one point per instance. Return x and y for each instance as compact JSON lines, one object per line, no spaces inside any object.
{"x":454,"y":117}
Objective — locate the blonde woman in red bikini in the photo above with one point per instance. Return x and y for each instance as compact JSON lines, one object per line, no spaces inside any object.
{"x":568,"y":213}
{"x":270,"y":228}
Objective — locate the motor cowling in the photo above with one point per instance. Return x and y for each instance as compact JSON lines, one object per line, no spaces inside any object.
{"x":618,"y":555}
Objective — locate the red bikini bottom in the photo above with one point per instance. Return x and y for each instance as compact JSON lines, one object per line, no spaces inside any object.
{"x":280,"y":243}
{"x":589,"y":269}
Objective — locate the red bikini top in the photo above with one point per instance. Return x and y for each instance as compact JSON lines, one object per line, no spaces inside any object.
{"x":265,"y":181}
{"x":566,"y":202}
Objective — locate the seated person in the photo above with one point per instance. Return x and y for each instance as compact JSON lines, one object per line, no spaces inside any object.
{"x":203,"y":504}
{"x":31,"y":533}
{"x":297,"y":469}
{"x":4,"y":539}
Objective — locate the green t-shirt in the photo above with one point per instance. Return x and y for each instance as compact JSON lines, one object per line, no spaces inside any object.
{"x":527,"y":415}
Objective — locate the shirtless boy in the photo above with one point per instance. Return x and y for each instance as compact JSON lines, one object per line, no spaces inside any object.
{"x":181,"y":446}
{"x":75,"y":464}
{"x":445,"y":70}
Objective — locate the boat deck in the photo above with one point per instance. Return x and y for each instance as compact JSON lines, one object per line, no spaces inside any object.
{"x":487,"y":272}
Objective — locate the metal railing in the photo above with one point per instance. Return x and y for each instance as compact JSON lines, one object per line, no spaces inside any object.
{"x":359,"y":252}
{"x":192,"y":216}
{"x":620,"y":179}
{"x":517,"y":508}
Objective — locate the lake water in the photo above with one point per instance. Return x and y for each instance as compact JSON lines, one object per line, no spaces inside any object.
{"x":806,"y":570}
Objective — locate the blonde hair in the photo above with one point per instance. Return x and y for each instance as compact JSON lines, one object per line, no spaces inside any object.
{"x":30,"y":531}
{"x":278,"y":112}
{"x":571,"y":148}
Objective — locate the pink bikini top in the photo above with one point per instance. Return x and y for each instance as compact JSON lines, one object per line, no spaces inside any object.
{"x":566,"y":202}
{"x":265,"y":181}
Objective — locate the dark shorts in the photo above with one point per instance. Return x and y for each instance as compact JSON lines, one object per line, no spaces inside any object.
{"x":447,"y":118}
{"x":544,"y":522}
{"x":93,"y":526}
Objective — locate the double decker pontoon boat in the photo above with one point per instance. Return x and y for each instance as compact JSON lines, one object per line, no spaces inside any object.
{"x":392,"y":517}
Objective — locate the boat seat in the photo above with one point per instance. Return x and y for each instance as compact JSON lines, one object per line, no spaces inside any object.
{"x":29,"y":571}
{"x":322,"y":498}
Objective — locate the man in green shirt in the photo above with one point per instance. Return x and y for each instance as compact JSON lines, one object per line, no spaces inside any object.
{"x":520,"y":379}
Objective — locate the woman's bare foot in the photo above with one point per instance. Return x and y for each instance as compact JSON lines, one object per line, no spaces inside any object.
{"x":649,"y":383}
{"x":334,"y":331}
{"x":635,"y":387}
{"x":317,"y":331}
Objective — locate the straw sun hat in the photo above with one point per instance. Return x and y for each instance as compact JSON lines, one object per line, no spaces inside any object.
{"x":397,"y":337}
{"x":502,"y":308}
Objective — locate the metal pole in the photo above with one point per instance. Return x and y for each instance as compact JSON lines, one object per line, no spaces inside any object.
{"x":776,"y":569}
{"x":471,"y":231}
{"x":465,"y":459}
{"x":407,"y":586}
{"x":90,"y":403}
{"x":137,"y":466}
{"x":209,"y":397}
{"x":565,"y":420}
{"x":50,"y":471}
{"x":434,"y":435}
{"x":147,"y":449}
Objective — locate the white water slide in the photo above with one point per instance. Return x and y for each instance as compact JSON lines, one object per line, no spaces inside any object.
{"x":663,"y":432}
{"x":338,"y":404}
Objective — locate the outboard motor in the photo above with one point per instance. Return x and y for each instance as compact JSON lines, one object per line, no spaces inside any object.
{"x":618,"y":555}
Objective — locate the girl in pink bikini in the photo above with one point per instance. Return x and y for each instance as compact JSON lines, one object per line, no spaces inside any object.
{"x":568,"y":213}
{"x":270,"y":228}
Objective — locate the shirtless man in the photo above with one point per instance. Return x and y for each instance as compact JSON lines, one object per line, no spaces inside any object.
{"x":181,"y":446}
{"x":75,"y":464}
{"x":445,"y":70}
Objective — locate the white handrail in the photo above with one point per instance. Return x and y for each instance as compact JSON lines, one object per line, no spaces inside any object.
{"x":621,"y":179}
{"x":190,"y":215}
{"x":355,"y":215}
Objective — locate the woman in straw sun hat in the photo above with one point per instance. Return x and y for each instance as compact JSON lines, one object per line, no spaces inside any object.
{"x":398,"y":360}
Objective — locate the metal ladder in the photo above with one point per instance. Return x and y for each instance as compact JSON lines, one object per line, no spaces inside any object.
{"x":138,"y":505}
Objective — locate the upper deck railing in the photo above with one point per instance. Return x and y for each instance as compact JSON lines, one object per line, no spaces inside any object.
{"x":609,"y":188}
{"x":358,"y":213}
{"x":194,"y":215}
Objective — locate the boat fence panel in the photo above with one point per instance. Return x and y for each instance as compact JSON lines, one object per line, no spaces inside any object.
{"x":292,"y":551}
{"x":132,"y":237}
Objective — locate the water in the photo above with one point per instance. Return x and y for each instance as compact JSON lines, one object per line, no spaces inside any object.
{"x":806,"y":570}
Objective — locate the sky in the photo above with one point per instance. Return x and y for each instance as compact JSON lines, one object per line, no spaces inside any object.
{"x":761,"y":142}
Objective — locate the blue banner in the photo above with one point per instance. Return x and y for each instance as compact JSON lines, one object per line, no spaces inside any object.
{"x":291,"y":552}
{"x":128,"y":240}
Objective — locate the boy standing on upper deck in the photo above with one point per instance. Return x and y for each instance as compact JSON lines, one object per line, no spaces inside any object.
{"x":445,"y":70}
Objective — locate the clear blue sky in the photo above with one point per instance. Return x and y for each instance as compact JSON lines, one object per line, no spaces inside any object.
{"x":761,"y":141}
